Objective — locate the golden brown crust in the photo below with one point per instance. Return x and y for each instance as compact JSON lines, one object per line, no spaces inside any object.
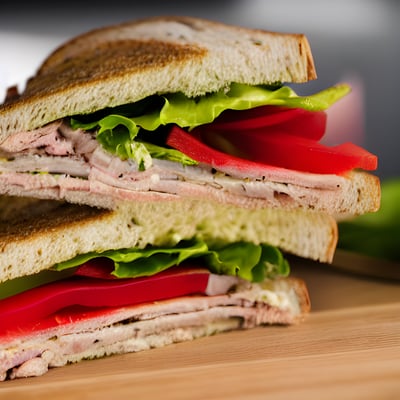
{"x":79,"y":44}
{"x":106,"y":60}
{"x":303,"y":296}
{"x":96,"y":39}
{"x":27,"y":226}
{"x":364,"y":192}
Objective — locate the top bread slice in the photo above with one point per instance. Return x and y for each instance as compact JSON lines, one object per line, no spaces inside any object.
{"x":128,"y":62}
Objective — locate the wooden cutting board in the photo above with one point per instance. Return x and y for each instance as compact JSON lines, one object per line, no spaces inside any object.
{"x":348,"y":348}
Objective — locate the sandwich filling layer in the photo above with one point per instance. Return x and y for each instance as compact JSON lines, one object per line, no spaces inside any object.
{"x":75,"y":334}
{"x":122,"y":156}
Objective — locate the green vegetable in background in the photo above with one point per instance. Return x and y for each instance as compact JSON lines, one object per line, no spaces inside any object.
{"x":376,"y":234}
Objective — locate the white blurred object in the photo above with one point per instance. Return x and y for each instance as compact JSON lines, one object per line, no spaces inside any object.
{"x":346,"y":118}
{"x":21,"y":56}
{"x":340,"y":18}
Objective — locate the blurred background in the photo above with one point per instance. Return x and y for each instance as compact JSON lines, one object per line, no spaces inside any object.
{"x":357,"y":41}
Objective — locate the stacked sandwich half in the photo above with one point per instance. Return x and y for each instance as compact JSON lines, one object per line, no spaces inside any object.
{"x":154,"y":175}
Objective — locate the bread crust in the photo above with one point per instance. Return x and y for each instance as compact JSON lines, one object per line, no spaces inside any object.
{"x":125,"y":63}
{"x":303,"y":296}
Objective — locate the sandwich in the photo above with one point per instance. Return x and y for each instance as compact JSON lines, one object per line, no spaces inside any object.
{"x":154,"y":176}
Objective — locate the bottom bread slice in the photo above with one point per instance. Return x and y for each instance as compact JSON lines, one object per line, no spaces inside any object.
{"x":121,"y":330}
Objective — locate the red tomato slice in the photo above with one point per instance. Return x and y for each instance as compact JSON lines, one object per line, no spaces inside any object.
{"x":301,"y":154}
{"x":294,"y":121}
{"x":272,"y":150}
{"x":203,"y":153}
{"x":100,"y":268}
{"x":30,"y":309}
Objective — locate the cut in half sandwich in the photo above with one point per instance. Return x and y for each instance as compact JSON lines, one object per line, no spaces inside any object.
{"x":159,"y":171}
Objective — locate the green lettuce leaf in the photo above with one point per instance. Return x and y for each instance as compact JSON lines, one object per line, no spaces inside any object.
{"x":246,"y":260}
{"x":249,"y":261}
{"x":117,"y":131}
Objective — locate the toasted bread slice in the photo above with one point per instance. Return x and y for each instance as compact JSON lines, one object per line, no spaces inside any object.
{"x":128,"y":62}
{"x":33,"y":241}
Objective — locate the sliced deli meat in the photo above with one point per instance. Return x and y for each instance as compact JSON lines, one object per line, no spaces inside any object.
{"x":71,"y":162}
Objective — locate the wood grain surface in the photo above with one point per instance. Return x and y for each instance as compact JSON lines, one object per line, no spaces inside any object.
{"x":348,"y":348}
